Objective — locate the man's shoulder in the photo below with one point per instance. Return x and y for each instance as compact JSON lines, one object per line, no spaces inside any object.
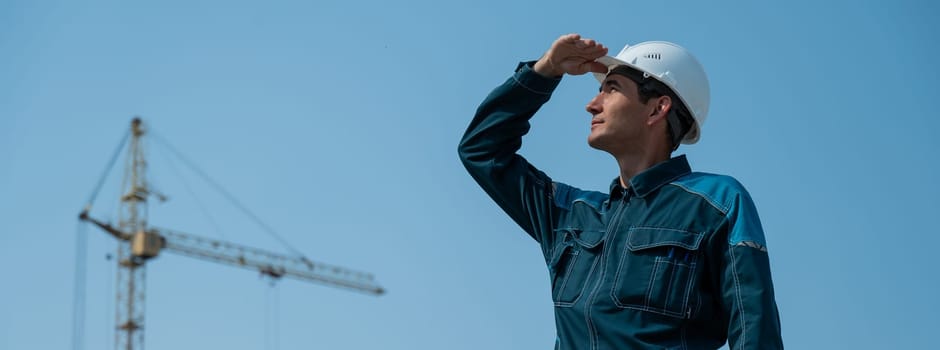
{"x":719,"y":190}
{"x":565,"y":196}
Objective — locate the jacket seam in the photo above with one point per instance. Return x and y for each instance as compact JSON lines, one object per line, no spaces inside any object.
{"x":722,"y":209}
{"x":682,"y":330}
{"x":672,"y":278}
{"x":616,"y":283}
{"x":581,"y":200}
{"x":614,"y":224}
{"x":520,"y":83}
{"x":663,"y":182}
{"x":688,"y":290}
{"x":583,"y":287}
{"x":737,"y":293}
{"x":649,"y":288}
{"x":654,"y":310}
{"x":576,"y":256}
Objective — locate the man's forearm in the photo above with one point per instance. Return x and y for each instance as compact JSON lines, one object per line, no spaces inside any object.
{"x":488,"y":149}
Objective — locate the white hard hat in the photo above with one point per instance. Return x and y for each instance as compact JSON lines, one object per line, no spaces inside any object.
{"x":674,"y":66}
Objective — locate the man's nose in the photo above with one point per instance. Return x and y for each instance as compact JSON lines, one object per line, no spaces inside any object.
{"x":595,"y":106}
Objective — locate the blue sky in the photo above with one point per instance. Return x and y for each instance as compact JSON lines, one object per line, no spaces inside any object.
{"x":337,"y":123}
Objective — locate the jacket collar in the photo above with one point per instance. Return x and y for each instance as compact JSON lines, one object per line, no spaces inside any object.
{"x":653,"y":178}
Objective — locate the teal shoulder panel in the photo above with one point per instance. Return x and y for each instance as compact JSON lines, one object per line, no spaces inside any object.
{"x":729,"y":197}
{"x":565,"y":195}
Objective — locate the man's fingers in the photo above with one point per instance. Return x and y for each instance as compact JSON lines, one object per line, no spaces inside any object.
{"x":587,"y":44}
{"x":573,"y":55}
{"x":568,"y":38}
{"x":597,"y":67}
{"x":593,"y":53}
{"x":592,"y":67}
{"x":598,"y":51}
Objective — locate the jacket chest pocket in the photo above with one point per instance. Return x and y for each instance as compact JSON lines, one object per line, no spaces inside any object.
{"x":656,"y":271}
{"x":573,"y":262}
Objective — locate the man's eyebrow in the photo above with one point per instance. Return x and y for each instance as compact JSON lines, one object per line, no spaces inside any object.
{"x":609,"y":82}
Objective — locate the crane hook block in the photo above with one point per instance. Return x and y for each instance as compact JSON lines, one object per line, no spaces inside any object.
{"x":146,"y":244}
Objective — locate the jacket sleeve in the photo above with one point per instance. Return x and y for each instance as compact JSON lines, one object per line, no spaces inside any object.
{"x":488,"y":151}
{"x":747,"y":290}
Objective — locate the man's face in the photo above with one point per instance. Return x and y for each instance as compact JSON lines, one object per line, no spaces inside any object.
{"x":619,"y":118}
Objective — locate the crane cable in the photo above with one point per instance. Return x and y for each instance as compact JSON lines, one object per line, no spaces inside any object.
{"x":81,"y":248}
{"x":107,"y":170}
{"x":202,"y":207}
{"x":78,"y":296}
{"x":271,"y":317}
{"x":272,"y":298}
{"x":192,"y":166}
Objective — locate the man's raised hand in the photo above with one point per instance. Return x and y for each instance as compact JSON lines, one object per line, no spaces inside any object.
{"x":570,"y":54}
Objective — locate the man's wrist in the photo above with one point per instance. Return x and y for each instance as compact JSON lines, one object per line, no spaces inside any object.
{"x":544,"y":68}
{"x":532,"y":80}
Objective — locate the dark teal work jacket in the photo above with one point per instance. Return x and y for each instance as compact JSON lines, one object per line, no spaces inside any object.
{"x":675,"y":261}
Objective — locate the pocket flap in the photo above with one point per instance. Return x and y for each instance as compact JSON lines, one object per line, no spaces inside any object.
{"x":639,"y":238}
{"x":588,"y":239}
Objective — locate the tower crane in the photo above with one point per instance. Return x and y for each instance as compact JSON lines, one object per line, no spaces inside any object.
{"x":139,"y":242}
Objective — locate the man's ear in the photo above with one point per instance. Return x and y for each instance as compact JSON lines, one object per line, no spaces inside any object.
{"x":661,"y":107}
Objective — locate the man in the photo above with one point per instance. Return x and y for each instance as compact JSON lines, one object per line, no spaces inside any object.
{"x":668,"y":258}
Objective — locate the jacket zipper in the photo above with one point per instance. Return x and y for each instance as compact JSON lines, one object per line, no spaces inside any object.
{"x":615,"y":221}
